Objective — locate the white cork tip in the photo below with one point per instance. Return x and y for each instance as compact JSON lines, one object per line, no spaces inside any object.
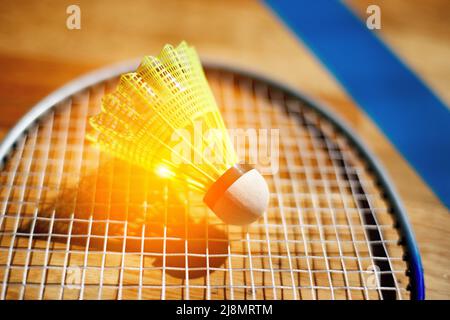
{"x":243,"y":201}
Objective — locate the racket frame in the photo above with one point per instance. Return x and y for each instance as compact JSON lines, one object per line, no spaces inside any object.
{"x":407,"y":239}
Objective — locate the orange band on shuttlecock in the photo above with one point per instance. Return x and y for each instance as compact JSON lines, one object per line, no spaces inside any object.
{"x":224,"y":182}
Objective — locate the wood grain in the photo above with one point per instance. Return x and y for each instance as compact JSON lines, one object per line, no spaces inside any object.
{"x":38,"y":54}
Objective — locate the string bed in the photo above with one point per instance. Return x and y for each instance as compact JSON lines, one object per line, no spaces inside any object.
{"x":78,"y":224}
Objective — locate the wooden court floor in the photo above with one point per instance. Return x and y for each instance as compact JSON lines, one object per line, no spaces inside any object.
{"x":39,"y":54}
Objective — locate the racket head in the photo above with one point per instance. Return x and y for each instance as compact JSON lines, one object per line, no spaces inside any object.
{"x":335,"y":228}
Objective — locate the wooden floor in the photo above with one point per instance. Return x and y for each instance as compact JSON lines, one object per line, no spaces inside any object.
{"x":38,"y":54}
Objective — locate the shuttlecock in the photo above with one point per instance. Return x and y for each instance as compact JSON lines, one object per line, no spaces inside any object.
{"x":164,"y":117}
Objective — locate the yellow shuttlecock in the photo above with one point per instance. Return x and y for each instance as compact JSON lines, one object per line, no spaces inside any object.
{"x":164,"y":118}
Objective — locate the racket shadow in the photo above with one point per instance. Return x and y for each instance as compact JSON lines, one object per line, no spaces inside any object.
{"x":133,"y":213}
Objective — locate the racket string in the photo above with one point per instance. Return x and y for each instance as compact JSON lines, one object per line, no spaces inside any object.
{"x":76,"y":224}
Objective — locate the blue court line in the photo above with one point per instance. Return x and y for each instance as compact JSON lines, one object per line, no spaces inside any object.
{"x":415,"y":120}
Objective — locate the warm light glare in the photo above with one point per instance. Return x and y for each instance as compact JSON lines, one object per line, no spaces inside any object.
{"x":163,"y":172}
